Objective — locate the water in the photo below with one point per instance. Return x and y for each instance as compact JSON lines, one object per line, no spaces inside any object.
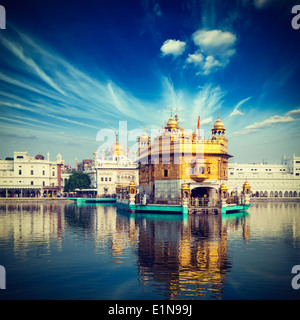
{"x":53,"y":250}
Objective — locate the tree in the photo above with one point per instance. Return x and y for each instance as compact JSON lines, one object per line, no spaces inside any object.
{"x":77,"y":180}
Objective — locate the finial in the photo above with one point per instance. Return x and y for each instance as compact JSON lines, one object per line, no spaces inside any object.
{"x":218,"y":115}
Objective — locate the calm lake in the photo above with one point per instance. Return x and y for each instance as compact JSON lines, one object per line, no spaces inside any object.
{"x":54,"y":250}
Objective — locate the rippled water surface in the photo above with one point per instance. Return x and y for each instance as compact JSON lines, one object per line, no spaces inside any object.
{"x":53,"y":250}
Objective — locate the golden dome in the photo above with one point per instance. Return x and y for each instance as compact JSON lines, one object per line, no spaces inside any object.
{"x":172,"y":123}
{"x":132,"y":183}
{"x":218,"y":124}
{"x":117,"y":149}
{"x":223,"y":186}
{"x":185,"y":186}
{"x":246,"y":184}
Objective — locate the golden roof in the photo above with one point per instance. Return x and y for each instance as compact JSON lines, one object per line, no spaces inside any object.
{"x":172,"y":123}
{"x":246,"y":184}
{"x":117,"y":149}
{"x":223,"y":186}
{"x":218,"y":124}
{"x":185,"y":186}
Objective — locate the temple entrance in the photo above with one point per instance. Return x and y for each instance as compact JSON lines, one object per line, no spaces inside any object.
{"x":200,"y":192}
{"x":204,"y":196}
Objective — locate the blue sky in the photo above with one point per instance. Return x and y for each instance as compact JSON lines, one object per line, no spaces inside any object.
{"x":69,"y":69}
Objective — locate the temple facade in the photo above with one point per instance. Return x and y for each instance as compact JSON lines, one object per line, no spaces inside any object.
{"x":179,"y":163}
{"x":111,"y":170}
{"x":26,"y":176}
{"x":267,"y":180}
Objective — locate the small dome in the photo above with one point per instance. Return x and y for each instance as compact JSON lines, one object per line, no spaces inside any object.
{"x":172,"y":123}
{"x":223,"y":186}
{"x":132,"y":183}
{"x":39,"y":157}
{"x":117,"y":149}
{"x":246,"y":184}
{"x":185,"y":186}
{"x":218,"y":124}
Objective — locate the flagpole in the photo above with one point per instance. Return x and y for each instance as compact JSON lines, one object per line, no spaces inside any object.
{"x":198,"y":126}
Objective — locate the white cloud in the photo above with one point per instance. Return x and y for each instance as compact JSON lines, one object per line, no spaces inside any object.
{"x":173,"y":47}
{"x":206,"y":121}
{"x":215,"y":42}
{"x":216,"y":47}
{"x":237,"y":112}
{"x":295,"y":112}
{"x":265,"y":124}
{"x":19,"y":52}
{"x":195,"y":58}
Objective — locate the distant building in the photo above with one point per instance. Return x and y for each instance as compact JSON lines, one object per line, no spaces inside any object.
{"x":267,"y":180}
{"x":86,"y":164}
{"x":113,"y":170}
{"x":26,"y":176}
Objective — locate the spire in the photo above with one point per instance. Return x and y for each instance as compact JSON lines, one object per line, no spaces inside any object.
{"x":176,"y":115}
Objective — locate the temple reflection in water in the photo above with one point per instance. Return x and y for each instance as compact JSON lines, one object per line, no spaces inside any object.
{"x":168,"y":256}
{"x":175,"y":257}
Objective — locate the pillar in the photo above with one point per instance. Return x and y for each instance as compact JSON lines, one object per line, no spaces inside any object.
{"x":223,"y":194}
{"x":185,"y":191}
{"x":246,"y":192}
{"x":132,"y":192}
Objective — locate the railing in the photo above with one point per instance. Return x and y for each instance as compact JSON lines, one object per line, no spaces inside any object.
{"x":203,"y":202}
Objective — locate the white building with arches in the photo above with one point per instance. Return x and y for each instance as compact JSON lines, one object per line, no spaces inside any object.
{"x":111,"y":170}
{"x":267,"y":180}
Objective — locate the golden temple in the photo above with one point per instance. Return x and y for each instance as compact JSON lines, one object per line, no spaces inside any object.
{"x":180,"y":157}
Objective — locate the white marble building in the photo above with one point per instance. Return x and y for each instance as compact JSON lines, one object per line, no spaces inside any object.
{"x":267,"y":180}
{"x":112,"y":170}
{"x":27,"y":176}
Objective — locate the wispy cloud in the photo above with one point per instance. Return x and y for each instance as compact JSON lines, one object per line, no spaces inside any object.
{"x":269,"y":122}
{"x":41,"y":82}
{"x":29,"y":62}
{"x":237,"y":112}
{"x":206,"y":101}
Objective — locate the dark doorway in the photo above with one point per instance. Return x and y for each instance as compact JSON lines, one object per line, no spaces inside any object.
{"x":199,"y":192}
